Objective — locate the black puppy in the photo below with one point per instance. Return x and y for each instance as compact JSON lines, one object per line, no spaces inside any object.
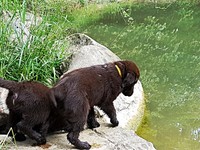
{"x":29,"y":104}
{"x":78,"y":91}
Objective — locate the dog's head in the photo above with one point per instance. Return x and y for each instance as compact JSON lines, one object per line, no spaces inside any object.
{"x":129,"y":74}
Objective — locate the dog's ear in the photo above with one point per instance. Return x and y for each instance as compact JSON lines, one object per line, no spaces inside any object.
{"x":130,"y":79}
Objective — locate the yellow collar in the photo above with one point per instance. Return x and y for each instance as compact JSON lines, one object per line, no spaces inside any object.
{"x":119,"y":71}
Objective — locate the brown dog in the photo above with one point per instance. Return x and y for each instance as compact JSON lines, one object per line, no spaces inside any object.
{"x":29,"y":104}
{"x":78,"y":91}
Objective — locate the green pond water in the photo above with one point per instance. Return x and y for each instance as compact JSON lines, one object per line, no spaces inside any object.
{"x":164,"y":40}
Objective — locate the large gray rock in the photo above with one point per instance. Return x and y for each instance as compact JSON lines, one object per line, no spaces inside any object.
{"x":87,"y":52}
{"x":20,"y":28}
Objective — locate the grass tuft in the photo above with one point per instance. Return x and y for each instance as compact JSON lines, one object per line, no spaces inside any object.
{"x":8,"y":140}
{"x":29,"y":55}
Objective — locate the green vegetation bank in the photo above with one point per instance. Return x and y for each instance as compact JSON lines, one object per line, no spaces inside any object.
{"x":40,"y":57}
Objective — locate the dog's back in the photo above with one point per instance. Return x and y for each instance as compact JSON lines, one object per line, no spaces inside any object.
{"x":94,"y":82}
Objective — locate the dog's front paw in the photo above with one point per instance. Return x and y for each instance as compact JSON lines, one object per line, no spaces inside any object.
{"x":115,"y":122}
{"x":40,"y":141}
{"x":20,"y":137}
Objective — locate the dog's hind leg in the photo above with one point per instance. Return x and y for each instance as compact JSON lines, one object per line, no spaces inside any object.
{"x":91,"y":120}
{"x":76,"y":128}
{"x":44,"y":128}
{"x":13,"y":119}
{"x":26,"y":128}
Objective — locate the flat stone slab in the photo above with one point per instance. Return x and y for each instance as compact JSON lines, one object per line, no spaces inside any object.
{"x":102,"y":138}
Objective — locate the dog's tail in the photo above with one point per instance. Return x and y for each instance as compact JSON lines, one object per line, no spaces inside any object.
{"x":7,"y":84}
{"x":52,"y":97}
